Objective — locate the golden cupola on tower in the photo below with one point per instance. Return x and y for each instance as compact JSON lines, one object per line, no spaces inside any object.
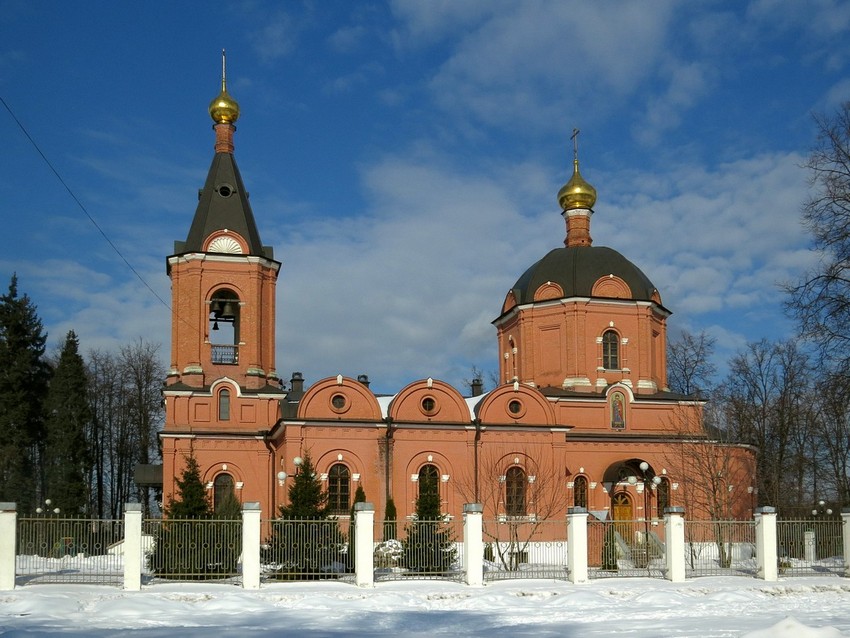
{"x":576,"y":193}
{"x":224,"y":109}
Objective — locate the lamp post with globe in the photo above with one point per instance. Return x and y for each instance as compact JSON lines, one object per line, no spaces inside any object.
{"x":649,"y":481}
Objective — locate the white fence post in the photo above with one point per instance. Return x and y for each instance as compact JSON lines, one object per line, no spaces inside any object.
{"x":132,"y":546}
{"x":473,"y":544}
{"x":8,"y":536}
{"x":674,"y":541}
{"x":766,"y":554}
{"x":810,"y":550}
{"x":845,"y":533}
{"x":577,"y":544}
{"x":250,"y":545}
{"x":364,"y":544}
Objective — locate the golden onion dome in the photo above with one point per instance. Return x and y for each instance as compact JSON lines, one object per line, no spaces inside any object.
{"x":576,"y":193}
{"x":224,"y":108}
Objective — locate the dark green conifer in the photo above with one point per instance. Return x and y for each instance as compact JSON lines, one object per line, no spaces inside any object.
{"x":191,"y":543}
{"x":67,"y":461}
{"x":23,"y":388}
{"x":305,"y":542}
{"x":429,"y":546}
{"x":390,"y":522}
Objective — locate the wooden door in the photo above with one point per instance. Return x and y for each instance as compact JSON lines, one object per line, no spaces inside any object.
{"x":621,"y":508}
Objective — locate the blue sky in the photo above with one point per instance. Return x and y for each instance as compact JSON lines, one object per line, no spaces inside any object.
{"x":404,"y":157}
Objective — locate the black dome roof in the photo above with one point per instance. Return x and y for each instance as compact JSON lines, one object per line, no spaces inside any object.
{"x":577,"y":268}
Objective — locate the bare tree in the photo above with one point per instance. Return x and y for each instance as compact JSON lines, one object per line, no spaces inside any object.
{"x":143,"y":373}
{"x":713,"y":471}
{"x":831,"y":451}
{"x":521,"y":492}
{"x":689,"y":366}
{"x":715,"y":478}
{"x":103,"y":397}
{"x":127,"y":412}
{"x":767,"y":401}
{"x":821,"y":300}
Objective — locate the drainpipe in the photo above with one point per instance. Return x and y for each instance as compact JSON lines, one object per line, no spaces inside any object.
{"x":272,"y":476}
{"x":475,"y":445}
{"x":387,"y":491}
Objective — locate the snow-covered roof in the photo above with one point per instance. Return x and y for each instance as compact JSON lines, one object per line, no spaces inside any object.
{"x":384,"y":402}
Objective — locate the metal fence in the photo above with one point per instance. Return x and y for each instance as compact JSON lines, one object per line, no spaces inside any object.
{"x":720,"y":548}
{"x":61,"y":550}
{"x":625,"y":548}
{"x":419,"y":549}
{"x":811,"y":547}
{"x":90,"y":551}
{"x":192,"y":549}
{"x":525,"y":548}
{"x":305,"y":549}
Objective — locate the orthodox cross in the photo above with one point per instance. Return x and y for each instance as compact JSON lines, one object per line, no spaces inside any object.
{"x":574,"y":138}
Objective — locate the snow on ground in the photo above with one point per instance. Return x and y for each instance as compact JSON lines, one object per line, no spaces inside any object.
{"x":816,"y":607}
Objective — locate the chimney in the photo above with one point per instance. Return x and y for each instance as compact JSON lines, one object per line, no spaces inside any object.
{"x":364,"y":379}
{"x":477,"y":387}
{"x":297,"y":384}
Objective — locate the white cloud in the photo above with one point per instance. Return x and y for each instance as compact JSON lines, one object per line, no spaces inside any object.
{"x":277,"y":37}
{"x":408,"y":288}
{"x":838,"y":94}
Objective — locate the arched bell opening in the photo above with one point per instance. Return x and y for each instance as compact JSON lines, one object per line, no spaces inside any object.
{"x":224,"y":324}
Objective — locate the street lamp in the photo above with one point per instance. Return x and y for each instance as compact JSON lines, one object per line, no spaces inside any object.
{"x":46,"y":509}
{"x":649,"y":481}
{"x":822,"y":509}
{"x":282,"y":475}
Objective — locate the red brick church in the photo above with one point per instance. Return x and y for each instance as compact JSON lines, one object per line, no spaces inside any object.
{"x":583,"y":415}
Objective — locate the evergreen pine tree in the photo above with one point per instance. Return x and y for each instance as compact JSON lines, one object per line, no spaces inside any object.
{"x":305,"y":543}
{"x":307,"y":499}
{"x":189,"y":544}
{"x":23,"y":387}
{"x":191,"y":500}
{"x":390,"y":523}
{"x":229,"y":509}
{"x":67,"y":461}
{"x":429,"y":546}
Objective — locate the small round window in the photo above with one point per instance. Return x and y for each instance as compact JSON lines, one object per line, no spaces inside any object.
{"x":339,"y":403}
{"x":225,"y":190}
{"x":429,"y":406}
{"x":516,"y":409}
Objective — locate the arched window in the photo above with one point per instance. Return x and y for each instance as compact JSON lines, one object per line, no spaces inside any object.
{"x":610,"y":350}
{"x":223,"y":496}
{"x":224,"y":405}
{"x":429,"y":481}
{"x":339,"y":489}
{"x":663,"y":495}
{"x":580,"y":491}
{"x":515,"y":485}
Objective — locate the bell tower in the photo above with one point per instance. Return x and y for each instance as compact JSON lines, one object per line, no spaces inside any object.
{"x":222,"y":278}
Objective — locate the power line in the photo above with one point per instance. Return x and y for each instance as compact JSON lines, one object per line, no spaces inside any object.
{"x":80,"y":204}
